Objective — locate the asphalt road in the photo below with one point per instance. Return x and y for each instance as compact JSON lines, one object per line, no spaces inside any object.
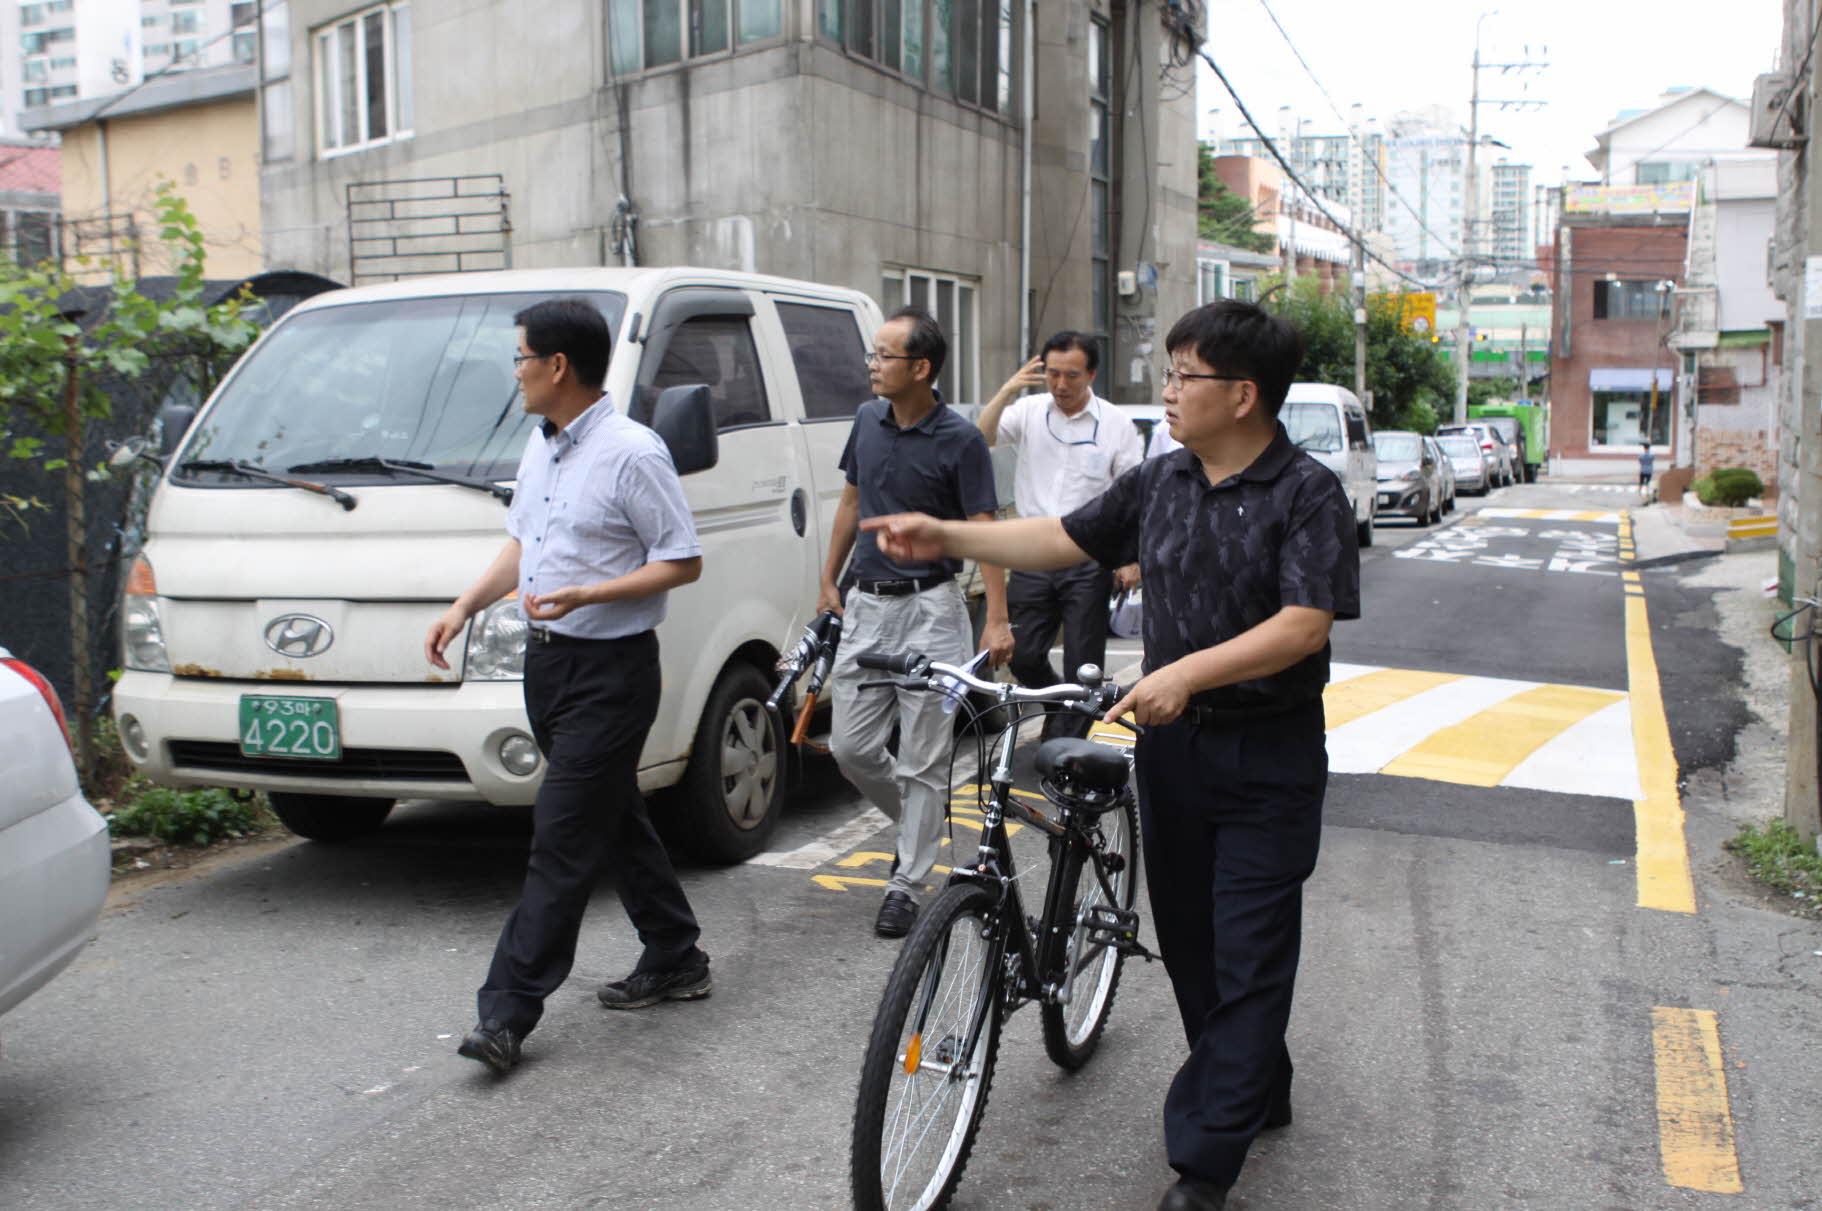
{"x":1480,"y":1021}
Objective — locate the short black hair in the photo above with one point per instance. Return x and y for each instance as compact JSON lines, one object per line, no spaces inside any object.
{"x":1062,"y":342}
{"x":926,"y":340}
{"x":576,"y":329}
{"x":1238,"y":338}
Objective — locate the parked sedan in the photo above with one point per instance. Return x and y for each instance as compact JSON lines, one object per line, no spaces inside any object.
{"x":53,"y":845}
{"x":1501,"y":457}
{"x":1410,"y":476}
{"x":1447,"y":469}
{"x":1473,"y":470}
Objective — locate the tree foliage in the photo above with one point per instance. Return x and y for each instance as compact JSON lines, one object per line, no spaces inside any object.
{"x":1222,"y":214}
{"x":1411,"y":381}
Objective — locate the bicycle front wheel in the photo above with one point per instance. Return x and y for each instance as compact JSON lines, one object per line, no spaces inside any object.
{"x":929,"y":1062}
{"x":1073,"y":1031}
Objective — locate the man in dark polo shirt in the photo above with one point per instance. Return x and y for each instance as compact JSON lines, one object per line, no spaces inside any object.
{"x":1247,"y":549}
{"x":907,"y":450}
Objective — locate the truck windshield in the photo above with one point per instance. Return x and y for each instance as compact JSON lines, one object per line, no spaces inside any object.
{"x":427,"y":381}
{"x":1315,"y":427}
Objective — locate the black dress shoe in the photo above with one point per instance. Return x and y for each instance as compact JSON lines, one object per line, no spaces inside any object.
{"x":1193,"y":1194}
{"x":491,"y":1044}
{"x":895,"y":915}
{"x":1278,"y":1114}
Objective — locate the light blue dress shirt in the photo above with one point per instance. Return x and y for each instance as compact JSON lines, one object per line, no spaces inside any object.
{"x":595,"y":501}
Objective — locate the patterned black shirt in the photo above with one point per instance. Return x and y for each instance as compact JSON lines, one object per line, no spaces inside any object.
{"x":938,"y":466}
{"x":1218,"y":560}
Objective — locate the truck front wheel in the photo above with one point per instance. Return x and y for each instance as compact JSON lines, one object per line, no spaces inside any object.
{"x":329,"y":817}
{"x":726,"y":806}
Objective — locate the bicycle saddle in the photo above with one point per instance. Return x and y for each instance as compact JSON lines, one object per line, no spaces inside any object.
{"x":1082,"y":764}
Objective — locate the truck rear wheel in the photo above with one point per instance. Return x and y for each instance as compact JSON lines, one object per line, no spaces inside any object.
{"x":328,"y":817}
{"x":732,"y":791}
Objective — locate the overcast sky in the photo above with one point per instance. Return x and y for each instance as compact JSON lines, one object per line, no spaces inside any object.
{"x":1604,"y":56}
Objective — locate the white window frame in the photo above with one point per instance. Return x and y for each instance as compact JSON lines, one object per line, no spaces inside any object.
{"x":961,"y":376}
{"x":327,"y":51}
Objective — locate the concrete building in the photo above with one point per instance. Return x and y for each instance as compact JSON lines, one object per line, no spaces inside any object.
{"x":1423,"y":163}
{"x":30,"y":202}
{"x":198,"y":130}
{"x":1673,"y":139}
{"x":62,"y":50}
{"x":1508,"y":215}
{"x":886,"y":147}
{"x":1620,"y":254}
{"x":1226,"y":272}
{"x":1306,"y":236}
{"x":1345,"y":168}
{"x":1729,"y":325}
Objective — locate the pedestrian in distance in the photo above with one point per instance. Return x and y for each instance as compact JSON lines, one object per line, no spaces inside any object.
{"x":1646,"y":458}
{"x":1071,"y":445}
{"x":1247,"y":547}
{"x":598,"y":534}
{"x":908,"y":450}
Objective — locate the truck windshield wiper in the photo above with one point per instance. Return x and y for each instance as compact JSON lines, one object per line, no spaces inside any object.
{"x":421,"y":470}
{"x":239,"y":466}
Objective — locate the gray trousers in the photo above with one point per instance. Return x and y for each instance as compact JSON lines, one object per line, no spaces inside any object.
{"x":913,"y":788}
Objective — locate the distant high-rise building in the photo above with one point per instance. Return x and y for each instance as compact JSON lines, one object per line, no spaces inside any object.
{"x":1342,"y":168}
{"x":1509,"y":215}
{"x":66,"y":49}
{"x":1423,"y":162}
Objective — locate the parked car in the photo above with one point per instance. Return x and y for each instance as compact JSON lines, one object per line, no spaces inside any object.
{"x":1500,"y":454}
{"x":1329,"y":422}
{"x":1516,"y":428}
{"x":1473,"y":469}
{"x":53,"y":845}
{"x":1447,"y":470}
{"x":275,"y":640}
{"x":1410,"y":476}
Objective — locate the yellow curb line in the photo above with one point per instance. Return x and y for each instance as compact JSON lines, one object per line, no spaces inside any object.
{"x":1695,"y":1122}
{"x":1664,"y":881}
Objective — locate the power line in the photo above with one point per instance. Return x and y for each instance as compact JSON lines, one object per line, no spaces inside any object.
{"x":1365,"y":152}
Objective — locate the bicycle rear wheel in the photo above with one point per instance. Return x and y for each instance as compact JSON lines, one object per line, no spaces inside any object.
{"x":1073,"y":1031}
{"x":923,"y":1084}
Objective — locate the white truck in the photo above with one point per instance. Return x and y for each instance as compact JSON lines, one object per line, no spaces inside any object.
{"x":348,"y":479}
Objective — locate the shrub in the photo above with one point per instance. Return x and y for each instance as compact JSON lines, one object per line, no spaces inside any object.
{"x":187,"y":817}
{"x":1783,"y":861}
{"x":1728,"y":486}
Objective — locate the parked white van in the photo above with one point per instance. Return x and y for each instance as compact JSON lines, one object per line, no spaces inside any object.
{"x":349,"y":477}
{"x":1331,"y":424}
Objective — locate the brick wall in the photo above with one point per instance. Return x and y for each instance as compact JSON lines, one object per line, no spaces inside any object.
{"x":1716,"y":448}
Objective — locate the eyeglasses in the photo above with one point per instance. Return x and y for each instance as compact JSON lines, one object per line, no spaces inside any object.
{"x":874,"y":359}
{"x":1173,"y":377}
{"x":527,"y":357}
{"x":1094,"y":433}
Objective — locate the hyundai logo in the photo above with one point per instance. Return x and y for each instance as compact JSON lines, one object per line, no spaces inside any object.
{"x":298,"y":635}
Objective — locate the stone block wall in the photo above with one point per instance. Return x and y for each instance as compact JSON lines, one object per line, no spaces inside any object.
{"x":1737,"y":448}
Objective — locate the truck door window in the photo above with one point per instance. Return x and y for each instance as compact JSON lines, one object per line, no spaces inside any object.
{"x":1357,"y":433}
{"x":830,"y":357}
{"x":717,"y":351}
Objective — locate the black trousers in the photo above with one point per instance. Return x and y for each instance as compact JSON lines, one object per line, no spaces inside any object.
{"x":1232,"y":819}
{"x":591,"y":703}
{"x":1038,"y":603}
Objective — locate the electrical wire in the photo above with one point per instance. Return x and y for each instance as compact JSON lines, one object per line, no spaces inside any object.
{"x":1364,"y":151}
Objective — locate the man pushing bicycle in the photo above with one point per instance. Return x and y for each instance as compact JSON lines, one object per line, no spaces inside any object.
{"x":1247,"y":549}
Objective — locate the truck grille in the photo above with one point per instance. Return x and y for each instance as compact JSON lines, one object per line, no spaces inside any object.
{"x":397,"y":764}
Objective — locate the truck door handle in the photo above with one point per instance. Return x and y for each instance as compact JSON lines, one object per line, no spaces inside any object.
{"x":799,"y":513}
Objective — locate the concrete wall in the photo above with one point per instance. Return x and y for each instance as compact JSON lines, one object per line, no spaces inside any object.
{"x":209,"y":151}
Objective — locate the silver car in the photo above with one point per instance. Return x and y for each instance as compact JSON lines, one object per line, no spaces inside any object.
{"x":1501,"y":456}
{"x":53,"y":845}
{"x":1447,"y":470}
{"x":1410,"y":476}
{"x":1473,"y":470}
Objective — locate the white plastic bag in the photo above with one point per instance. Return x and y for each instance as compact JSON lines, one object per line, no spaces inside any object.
{"x":1125,"y":613}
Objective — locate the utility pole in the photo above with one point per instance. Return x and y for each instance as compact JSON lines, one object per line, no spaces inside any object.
{"x":1470,"y":206}
{"x":1360,"y":319}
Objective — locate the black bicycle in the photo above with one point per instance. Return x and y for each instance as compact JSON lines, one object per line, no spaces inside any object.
{"x":974,"y":956}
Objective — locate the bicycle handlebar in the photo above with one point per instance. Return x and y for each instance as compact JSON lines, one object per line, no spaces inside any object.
{"x":1090,"y":698}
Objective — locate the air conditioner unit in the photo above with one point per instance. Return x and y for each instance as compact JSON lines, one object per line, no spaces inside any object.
{"x":1776,"y":115}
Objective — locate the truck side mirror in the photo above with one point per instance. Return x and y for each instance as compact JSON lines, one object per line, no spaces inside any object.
{"x":173,"y":422}
{"x":685,"y":420}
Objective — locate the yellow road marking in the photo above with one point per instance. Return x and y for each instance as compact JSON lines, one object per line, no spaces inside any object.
{"x":1630,"y":577}
{"x":1664,"y":880}
{"x":1346,"y":701}
{"x":843,"y":882}
{"x":1695,"y":1123}
{"x":864,"y":857}
{"x":1482,"y":749}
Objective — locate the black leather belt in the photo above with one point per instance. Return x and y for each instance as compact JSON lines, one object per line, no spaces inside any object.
{"x":1222,"y":716}
{"x":902,"y":588}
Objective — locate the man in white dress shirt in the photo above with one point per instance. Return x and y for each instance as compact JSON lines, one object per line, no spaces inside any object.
{"x":1072,"y":445}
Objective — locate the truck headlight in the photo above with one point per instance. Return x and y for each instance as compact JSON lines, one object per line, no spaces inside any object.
{"x":142,"y":635}
{"x":496,"y":643}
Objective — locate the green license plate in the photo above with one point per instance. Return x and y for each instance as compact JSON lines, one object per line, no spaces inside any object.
{"x":290,"y":727}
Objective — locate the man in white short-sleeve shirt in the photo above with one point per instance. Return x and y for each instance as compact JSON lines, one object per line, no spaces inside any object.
{"x":1072,"y":445}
